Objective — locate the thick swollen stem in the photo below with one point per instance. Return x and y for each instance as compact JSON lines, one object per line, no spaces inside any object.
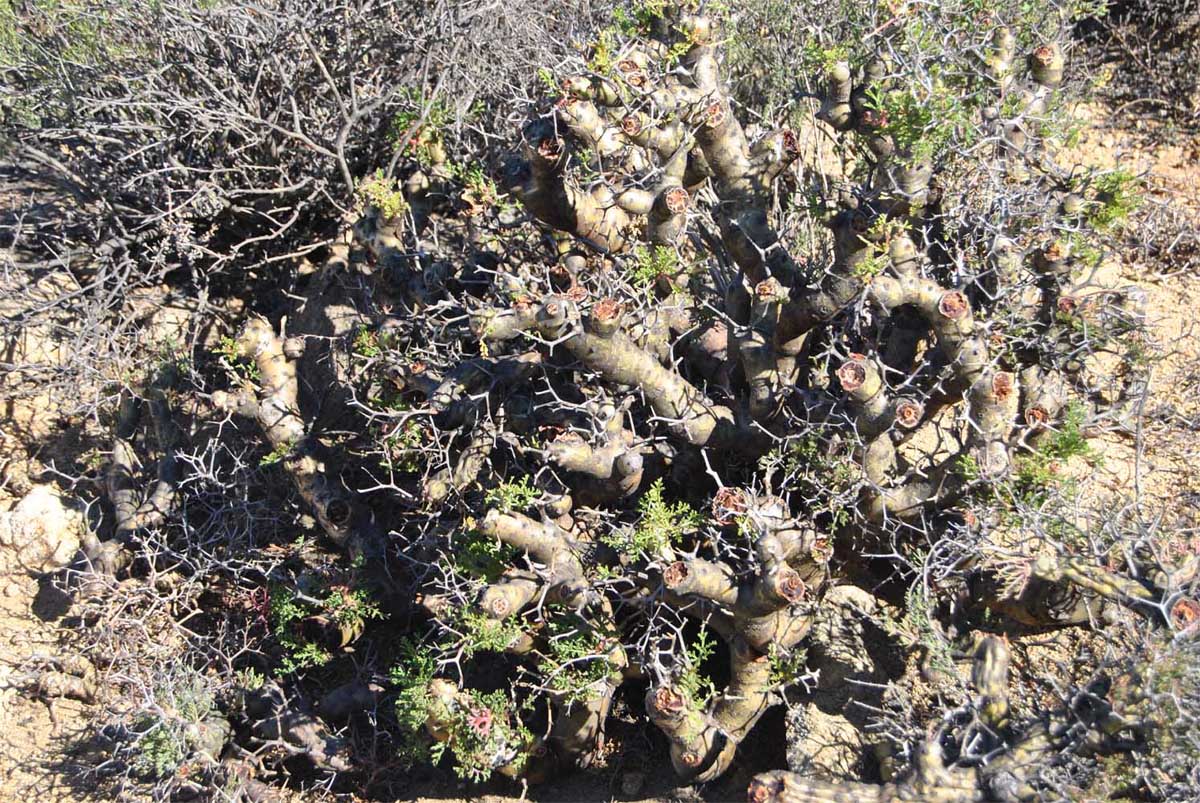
{"x":787,"y":346}
{"x":904,"y":256}
{"x":279,"y":388}
{"x":471,"y":461}
{"x":571,"y":452}
{"x":584,"y":120}
{"x":696,"y":744}
{"x":709,"y":580}
{"x":592,"y":87}
{"x":636,"y":200}
{"x":471,"y":377}
{"x":1008,"y":776}
{"x":992,"y":401}
{"x":1043,"y":396}
{"x":592,"y":215}
{"x":742,"y":184}
{"x":618,"y":465}
{"x":703,"y":744}
{"x":705,"y":348}
{"x":580,"y":716}
{"x":495,"y":325}
{"x":420,"y":284}
{"x":668,"y":216}
{"x":863,"y":382}
{"x":603,"y":348}
{"x":931,"y":785}
{"x":578,"y":728}
{"x":162,"y":499}
{"x":510,"y":594}
{"x":1007,"y":258}
{"x":773,"y":154}
{"x":778,"y":537}
{"x":852,"y":245}
{"x":803,"y":549}
{"x":653,"y":329}
{"x":789,"y":787}
{"x":1011,"y":776}
{"x":783,"y":628}
{"x":989,"y":674}
{"x":544,"y":541}
{"x":759,"y":366}
{"x":868,"y":120}
{"x":776,"y":588}
{"x":130,"y":513}
{"x":930,"y":781}
{"x":668,"y":213}
{"x":701,"y":62}
{"x":808,"y":308}
{"x":292,"y":725}
{"x":1092,"y":578}
{"x":712,"y":615}
{"x":748,"y":695}
{"x":415,"y":378}
{"x":118,"y":479}
{"x":948,"y":314}
{"x":1018,"y":594}
{"x":1046,"y":65}
{"x":755,"y":247}
{"x":642,"y":131}
{"x":768,"y":365}
{"x":762,"y":609}
{"x":344,"y":520}
{"x":723,"y":141}
{"x":999,"y":61}
{"x":835,"y":108}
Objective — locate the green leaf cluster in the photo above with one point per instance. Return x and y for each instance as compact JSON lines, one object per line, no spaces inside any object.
{"x":1037,"y":472}
{"x":423,"y":121}
{"x":649,"y":264}
{"x":167,"y":739}
{"x":818,"y":59}
{"x":286,"y":612}
{"x":287,"y":609}
{"x":411,"y":676}
{"x":661,"y":524}
{"x":919,"y":621}
{"x":1116,"y":196}
{"x":787,"y":664}
{"x":277,"y":454}
{"x":227,"y":351}
{"x":482,"y":633}
{"x":384,"y":194}
{"x":575,"y":660}
{"x":352,"y":607}
{"x":638,"y":18}
{"x":921,"y":122}
{"x":478,"y":753}
{"x":691,"y":682}
{"x":404,"y":445}
{"x":515,"y":495}
{"x":160,"y":750}
{"x":483,"y":557}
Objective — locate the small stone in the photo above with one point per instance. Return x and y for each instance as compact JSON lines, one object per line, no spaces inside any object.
{"x":632,"y":783}
{"x":41,"y":533}
{"x":824,"y":745}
